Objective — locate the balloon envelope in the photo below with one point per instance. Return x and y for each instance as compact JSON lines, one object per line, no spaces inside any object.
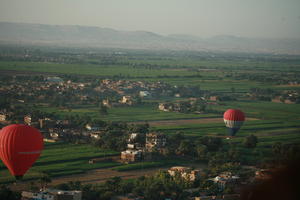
{"x":233,"y":119}
{"x":20,"y":147}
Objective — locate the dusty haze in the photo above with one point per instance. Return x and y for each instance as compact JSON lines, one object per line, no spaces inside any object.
{"x":204,"y":18}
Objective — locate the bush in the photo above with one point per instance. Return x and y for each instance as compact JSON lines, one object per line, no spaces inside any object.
{"x":250,"y":141}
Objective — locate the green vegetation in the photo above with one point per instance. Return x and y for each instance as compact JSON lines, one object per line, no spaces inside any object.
{"x":61,"y":159}
{"x":240,"y":76}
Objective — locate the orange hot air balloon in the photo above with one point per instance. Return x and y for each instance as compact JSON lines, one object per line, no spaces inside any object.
{"x":20,"y":147}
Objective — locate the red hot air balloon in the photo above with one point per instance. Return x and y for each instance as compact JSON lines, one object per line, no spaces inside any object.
{"x":234,"y":119}
{"x":20,"y":147}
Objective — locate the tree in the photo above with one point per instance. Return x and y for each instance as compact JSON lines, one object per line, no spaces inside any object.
{"x":185,"y":147}
{"x":250,"y":141}
{"x":8,"y":194}
{"x":212,"y":143}
{"x":103,"y":110}
{"x":114,"y":184}
{"x":201,"y":151}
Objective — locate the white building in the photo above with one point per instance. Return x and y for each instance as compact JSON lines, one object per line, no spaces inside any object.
{"x":131,"y":155}
{"x":145,"y":94}
{"x":37,"y":196}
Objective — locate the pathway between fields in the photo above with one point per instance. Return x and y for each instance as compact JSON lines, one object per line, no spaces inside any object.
{"x":186,"y":121}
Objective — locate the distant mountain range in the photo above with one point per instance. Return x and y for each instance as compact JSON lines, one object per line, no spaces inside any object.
{"x":86,"y":36}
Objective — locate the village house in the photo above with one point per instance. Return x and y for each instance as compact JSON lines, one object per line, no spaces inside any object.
{"x":214,"y":98}
{"x":96,"y":134}
{"x":92,"y":128}
{"x":127,"y":100}
{"x":3,"y":117}
{"x":185,"y":172}
{"x":106,"y":103}
{"x":177,"y":95}
{"x":131,"y":155}
{"x":46,"y":123}
{"x":155,"y":141}
{"x":224,"y":179}
{"x":27,"y":119}
{"x":144,"y":94}
{"x":165,"y":107}
{"x":132,"y":137}
{"x":54,"y":135}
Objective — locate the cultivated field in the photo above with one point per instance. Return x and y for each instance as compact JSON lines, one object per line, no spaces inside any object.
{"x":224,"y":74}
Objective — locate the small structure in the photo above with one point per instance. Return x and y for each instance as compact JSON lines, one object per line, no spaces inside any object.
{"x":54,"y":79}
{"x":27,"y":119}
{"x":155,"y":140}
{"x":214,"y":98}
{"x":127,"y":100}
{"x":131,"y":155}
{"x":144,"y":94}
{"x":46,"y":123}
{"x":225,"y":178}
{"x":2,"y":117}
{"x":92,"y":128}
{"x":164,"y":107}
{"x":96,"y":135}
{"x":177,"y":95}
{"x":132,"y":137}
{"x":107,"y":103}
{"x":263,"y":174}
{"x":185,"y":172}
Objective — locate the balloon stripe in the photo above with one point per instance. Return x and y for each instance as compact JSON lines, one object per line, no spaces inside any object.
{"x":30,"y":152}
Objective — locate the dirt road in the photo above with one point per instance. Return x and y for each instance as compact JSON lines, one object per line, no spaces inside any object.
{"x":186,"y":121}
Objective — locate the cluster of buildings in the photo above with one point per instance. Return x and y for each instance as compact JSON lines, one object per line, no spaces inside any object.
{"x":125,"y":87}
{"x":137,"y":151}
{"x":185,"y":172}
{"x":193,"y":104}
{"x":288,"y":97}
{"x":51,"y":194}
{"x":40,"y":90}
{"x":78,"y":91}
{"x":56,"y":130}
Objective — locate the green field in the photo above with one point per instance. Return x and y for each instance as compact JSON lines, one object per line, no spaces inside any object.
{"x":137,"y":113}
{"x":61,"y":159}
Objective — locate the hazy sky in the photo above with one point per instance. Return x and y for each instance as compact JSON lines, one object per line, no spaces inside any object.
{"x":250,"y":18}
